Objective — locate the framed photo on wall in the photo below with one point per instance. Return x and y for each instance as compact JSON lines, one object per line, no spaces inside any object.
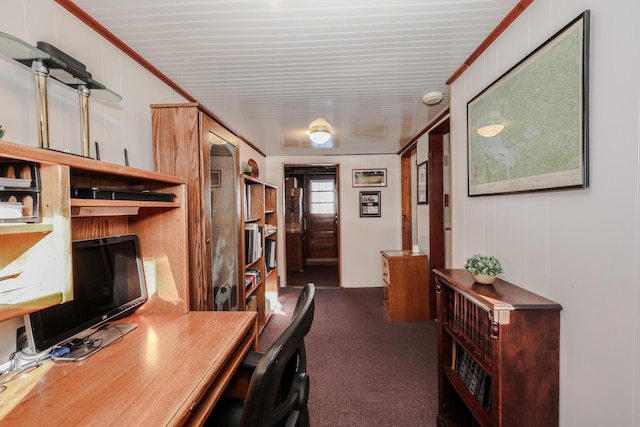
{"x":528,"y":130}
{"x":422,"y":183}
{"x":369,"y":204}
{"x":215,"y":178}
{"x":369,"y":178}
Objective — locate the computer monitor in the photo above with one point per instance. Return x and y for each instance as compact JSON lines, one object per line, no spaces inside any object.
{"x":108,"y":284}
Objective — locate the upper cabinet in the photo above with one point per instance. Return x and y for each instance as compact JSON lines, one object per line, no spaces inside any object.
{"x":190,"y":143}
{"x":80,"y":198}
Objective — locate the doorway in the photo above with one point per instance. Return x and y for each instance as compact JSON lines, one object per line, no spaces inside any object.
{"x":312,"y":225}
{"x":439,"y":225}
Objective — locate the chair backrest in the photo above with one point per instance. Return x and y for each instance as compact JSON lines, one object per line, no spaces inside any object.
{"x":279,"y":387}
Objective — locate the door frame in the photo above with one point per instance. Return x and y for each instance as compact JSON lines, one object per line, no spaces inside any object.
{"x":338,"y":227}
{"x":437,"y":249}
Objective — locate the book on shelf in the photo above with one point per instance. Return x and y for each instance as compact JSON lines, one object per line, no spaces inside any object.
{"x":249,"y":281}
{"x":253,"y":275}
{"x":270,"y":253}
{"x":247,"y":202}
{"x":474,"y":377}
{"x":253,"y":242}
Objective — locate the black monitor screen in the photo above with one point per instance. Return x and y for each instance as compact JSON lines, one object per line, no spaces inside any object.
{"x":108,"y":283}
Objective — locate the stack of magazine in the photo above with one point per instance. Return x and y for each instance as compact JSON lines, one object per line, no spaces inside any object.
{"x":10,"y":210}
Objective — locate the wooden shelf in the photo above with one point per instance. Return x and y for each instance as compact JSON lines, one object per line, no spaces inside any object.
{"x":11,"y":229}
{"x":479,"y":413}
{"x":11,"y":311}
{"x":262,"y":204}
{"x":499,"y":336}
{"x":41,"y":252}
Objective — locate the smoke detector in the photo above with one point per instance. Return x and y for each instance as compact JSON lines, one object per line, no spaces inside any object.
{"x":432,"y":98}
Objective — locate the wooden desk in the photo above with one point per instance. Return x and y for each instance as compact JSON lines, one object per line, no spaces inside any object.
{"x":170,"y":370}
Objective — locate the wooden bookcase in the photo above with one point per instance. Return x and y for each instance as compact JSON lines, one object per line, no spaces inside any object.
{"x":498,"y":354}
{"x":259,"y":212}
{"x":42,"y":251}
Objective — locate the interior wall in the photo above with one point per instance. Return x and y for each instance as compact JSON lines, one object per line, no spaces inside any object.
{"x":115,"y":127}
{"x":361,"y":239}
{"x":579,"y":248}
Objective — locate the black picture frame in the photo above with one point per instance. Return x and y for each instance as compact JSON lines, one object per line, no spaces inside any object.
{"x":370,"y":204}
{"x":528,"y":130}
{"x":422,"y":183}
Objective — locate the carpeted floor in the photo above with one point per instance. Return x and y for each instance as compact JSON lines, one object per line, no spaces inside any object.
{"x":364,"y":370}
{"x":323,"y":275}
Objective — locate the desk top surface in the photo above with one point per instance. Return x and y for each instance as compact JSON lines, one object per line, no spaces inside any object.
{"x":154,"y":375}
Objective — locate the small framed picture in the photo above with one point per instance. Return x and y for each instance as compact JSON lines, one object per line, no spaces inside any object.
{"x":422,"y":183}
{"x":369,"y":178}
{"x":369,"y":204}
{"x":215,"y":179}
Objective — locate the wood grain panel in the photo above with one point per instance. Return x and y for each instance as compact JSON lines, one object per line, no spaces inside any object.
{"x":156,"y":375}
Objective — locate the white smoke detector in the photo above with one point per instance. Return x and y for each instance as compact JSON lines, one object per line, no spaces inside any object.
{"x":432,"y":98}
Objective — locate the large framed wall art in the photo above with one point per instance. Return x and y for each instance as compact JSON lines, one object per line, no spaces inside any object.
{"x":528,"y":131}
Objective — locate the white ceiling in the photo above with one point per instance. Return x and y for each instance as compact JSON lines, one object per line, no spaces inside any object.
{"x":268,"y":68}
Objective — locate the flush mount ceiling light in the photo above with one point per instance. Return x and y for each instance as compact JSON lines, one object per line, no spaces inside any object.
{"x":319,"y":131}
{"x":432,"y":98}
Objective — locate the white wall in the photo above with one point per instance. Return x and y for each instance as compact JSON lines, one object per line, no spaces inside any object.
{"x":579,"y":248}
{"x":115,"y":127}
{"x":362,"y":239}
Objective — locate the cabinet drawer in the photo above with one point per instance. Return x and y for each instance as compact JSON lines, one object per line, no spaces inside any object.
{"x":385,"y":270}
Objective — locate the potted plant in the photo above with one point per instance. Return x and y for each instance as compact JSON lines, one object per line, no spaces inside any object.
{"x":483,"y":268}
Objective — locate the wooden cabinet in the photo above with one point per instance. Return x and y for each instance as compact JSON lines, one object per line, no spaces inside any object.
{"x":405,"y":285}
{"x":498,"y":354}
{"x":39,"y":254}
{"x":186,"y":138}
{"x":259,"y":246}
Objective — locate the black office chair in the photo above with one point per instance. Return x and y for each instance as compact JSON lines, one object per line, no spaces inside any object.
{"x":279,"y":386}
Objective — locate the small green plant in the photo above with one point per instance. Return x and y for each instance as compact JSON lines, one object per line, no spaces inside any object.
{"x":483,"y":264}
{"x":1,"y":132}
{"x":247,"y":170}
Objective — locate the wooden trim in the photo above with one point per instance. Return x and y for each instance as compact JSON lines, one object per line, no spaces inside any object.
{"x":100,"y":29}
{"x":413,"y":141}
{"x":437,"y":254}
{"x":407,"y":218}
{"x":83,"y":16}
{"x":503,"y":25}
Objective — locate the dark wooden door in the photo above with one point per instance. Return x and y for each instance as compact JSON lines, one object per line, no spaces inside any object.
{"x":321,"y":217}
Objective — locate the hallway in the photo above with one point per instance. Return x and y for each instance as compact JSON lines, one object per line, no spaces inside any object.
{"x":323,"y":275}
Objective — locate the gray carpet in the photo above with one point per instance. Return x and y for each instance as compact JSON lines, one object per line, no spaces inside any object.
{"x":364,"y":369}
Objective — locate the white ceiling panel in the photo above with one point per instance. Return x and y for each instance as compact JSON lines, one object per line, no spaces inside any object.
{"x":269,"y":68}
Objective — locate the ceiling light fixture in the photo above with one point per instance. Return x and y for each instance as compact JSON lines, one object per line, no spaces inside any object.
{"x":432,"y":98}
{"x":319,"y":131}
